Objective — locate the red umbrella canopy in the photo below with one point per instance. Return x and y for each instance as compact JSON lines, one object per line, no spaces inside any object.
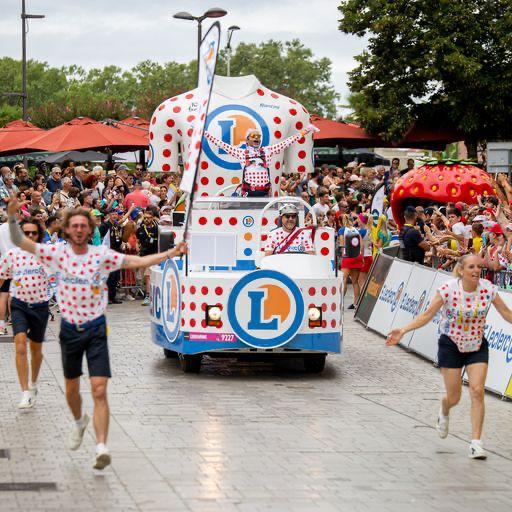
{"x":135,"y":125}
{"x":345,"y":134}
{"x":84,"y":133}
{"x":423,"y":135}
{"x":16,"y":132}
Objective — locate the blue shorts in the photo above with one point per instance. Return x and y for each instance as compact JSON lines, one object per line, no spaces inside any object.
{"x":89,"y":339}
{"x":449,"y":355}
{"x":30,"y":319}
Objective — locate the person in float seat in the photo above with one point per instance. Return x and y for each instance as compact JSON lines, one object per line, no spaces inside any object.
{"x":289,"y":238}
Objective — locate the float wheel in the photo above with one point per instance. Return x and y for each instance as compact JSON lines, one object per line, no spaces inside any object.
{"x":314,"y":363}
{"x":170,"y":354}
{"x":190,"y":363}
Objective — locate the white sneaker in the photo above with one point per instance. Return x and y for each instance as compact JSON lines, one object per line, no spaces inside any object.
{"x":442,"y":424}
{"x":129,"y":297}
{"x":102,"y":459}
{"x":76,"y":435}
{"x":476,"y":451}
{"x":26,"y":401}
{"x":33,"y":393}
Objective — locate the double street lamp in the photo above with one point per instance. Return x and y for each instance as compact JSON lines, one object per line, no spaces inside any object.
{"x":228,"y":46}
{"x":214,"y":12}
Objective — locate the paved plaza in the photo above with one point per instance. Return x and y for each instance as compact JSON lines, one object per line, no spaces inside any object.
{"x":252,"y":437}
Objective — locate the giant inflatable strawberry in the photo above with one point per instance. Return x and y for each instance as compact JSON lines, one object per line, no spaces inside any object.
{"x":440,"y":181}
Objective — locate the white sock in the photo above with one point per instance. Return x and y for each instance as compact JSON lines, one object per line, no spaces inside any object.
{"x":2,"y":324}
{"x":476,"y":441}
{"x":80,"y":423}
{"x":100,"y":447}
{"x":441,"y":415}
{"x":32,"y":385}
{"x":26,"y":393}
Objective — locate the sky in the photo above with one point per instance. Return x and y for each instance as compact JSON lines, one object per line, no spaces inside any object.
{"x":95,"y":33}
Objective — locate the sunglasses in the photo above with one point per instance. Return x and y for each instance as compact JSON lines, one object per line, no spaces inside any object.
{"x":28,"y":233}
{"x":290,"y":215}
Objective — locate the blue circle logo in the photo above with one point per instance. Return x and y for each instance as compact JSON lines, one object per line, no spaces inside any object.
{"x":230,"y":123}
{"x":171,"y":301}
{"x":266,"y":309}
{"x":248,"y":221}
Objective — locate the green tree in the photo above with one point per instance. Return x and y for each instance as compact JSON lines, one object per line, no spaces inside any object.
{"x":443,"y":62}
{"x":288,"y":68}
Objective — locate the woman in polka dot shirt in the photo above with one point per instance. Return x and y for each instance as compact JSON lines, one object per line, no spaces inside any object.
{"x":464,"y":303}
{"x":256,"y":160}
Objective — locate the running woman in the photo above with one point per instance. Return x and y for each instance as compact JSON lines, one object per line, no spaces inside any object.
{"x":464,"y":303}
{"x":82,"y":296}
{"x":29,"y":309}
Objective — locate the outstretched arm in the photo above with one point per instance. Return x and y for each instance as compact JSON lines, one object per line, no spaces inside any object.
{"x":286,"y":143}
{"x":502,"y":308}
{"x":396,"y":334}
{"x":133,"y":262}
{"x":15,"y":230}
{"x":228,"y":148}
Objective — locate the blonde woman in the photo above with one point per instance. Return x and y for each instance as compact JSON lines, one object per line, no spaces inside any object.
{"x":352,"y":260}
{"x":464,"y":302}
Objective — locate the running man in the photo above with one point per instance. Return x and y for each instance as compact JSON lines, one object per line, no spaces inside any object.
{"x":30,"y":293}
{"x":256,"y":159}
{"x":464,"y":303}
{"x":82,"y":296}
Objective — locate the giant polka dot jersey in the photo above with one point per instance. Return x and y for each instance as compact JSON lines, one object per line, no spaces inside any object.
{"x":302,"y":242}
{"x":81,"y":291}
{"x":468,"y":333}
{"x":172,"y":126}
{"x":29,"y":279}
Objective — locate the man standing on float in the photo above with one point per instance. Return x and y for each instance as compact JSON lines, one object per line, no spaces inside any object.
{"x":255,"y":159}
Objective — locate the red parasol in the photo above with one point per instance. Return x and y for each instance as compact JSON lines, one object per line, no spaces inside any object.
{"x":83,"y":133}
{"x":421,"y":135}
{"x":16,"y":132}
{"x":347,"y":135}
{"x":134,"y":125}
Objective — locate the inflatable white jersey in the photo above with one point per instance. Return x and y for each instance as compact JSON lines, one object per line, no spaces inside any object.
{"x":237,"y":104}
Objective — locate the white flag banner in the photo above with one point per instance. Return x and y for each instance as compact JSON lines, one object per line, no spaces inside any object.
{"x":208,"y":52}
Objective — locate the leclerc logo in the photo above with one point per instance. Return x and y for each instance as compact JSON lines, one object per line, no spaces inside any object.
{"x":265,"y":309}
{"x":151,"y":155}
{"x":171,"y":301}
{"x":230,"y":124}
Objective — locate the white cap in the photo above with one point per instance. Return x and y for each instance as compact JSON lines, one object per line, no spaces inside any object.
{"x":97,"y":168}
{"x":146,"y":185}
{"x":288,"y":208}
{"x":354,"y":177}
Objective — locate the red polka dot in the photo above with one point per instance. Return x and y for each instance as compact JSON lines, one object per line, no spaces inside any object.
{"x":277,"y":120}
{"x":203,"y":323}
{"x":333,"y":306}
{"x":203,"y":220}
{"x":293,"y":112}
{"x":153,"y":121}
{"x":218,"y":290}
{"x":264,"y":221}
{"x":220,"y":180}
{"x":333,"y":323}
{"x":182,"y":322}
{"x":204,"y":290}
{"x":175,"y":98}
{"x":301,"y":168}
{"x":182,"y":306}
{"x":190,"y":118}
{"x":182,"y":288}
{"x":278,"y":165}
{"x":324,"y":251}
{"x":277,"y":134}
{"x":204,"y":165}
{"x":166,"y":167}
{"x":324,"y":236}
{"x":167,"y":137}
{"x":276,"y":180}
{"x":180,"y":133}
{"x":170,"y":123}
{"x":333,"y":290}
{"x":189,"y":96}
{"x":193,"y":306}
{"x":189,"y":132}
{"x":204,"y":180}
{"x":217,"y":221}
{"x":166,"y":153}
{"x":203,"y":306}
{"x":264,"y":237}
{"x":293,"y":102}
{"x":302,"y":154}
{"x":176,"y":109}
{"x":274,"y":95}
{"x":260,"y":92}
{"x":299,"y":125}
{"x":233,"y":221}
{"x":192,"y":322}
{"x":312,"y":291}
{"x":301,"y":140}
{"x":204,"y":194}
{"x":151,"y":135}
{"x":324,"y":290}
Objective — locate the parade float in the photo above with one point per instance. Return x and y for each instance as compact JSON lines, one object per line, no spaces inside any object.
{"x":226,"y":298}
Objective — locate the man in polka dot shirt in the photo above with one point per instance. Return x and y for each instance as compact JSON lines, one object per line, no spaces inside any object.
{"x":289,"y":238}
{"x":30,"y":294}
{"x":82,"y":296}
{"x":256,"y":160}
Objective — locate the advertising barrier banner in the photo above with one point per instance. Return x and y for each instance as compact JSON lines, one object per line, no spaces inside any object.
{"x":373,"y":287}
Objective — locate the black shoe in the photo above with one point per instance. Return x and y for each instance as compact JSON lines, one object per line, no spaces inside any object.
{"x":115,"y":301}
{"x":351,"y":307}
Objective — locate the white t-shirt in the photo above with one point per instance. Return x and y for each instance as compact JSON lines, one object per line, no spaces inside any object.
{"x":463,"y":314}
{"x":81,"y":291}
{"x":319,"y":208}
{"x":301,"y":243}
{"x":29,"y":279}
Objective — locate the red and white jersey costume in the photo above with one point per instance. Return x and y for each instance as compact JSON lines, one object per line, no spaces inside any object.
{"x":277,"y":240}
{"x":29,"y":279}
{"x":81,"y":291}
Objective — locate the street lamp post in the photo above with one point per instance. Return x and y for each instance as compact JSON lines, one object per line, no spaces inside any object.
{"x":214,"y":12}
{"x":228,"y":46}
{"x":24,"y":17}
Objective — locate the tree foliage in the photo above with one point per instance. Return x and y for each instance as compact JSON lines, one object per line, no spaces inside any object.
{"x":57,"y":95}
{"x":446,"y":61}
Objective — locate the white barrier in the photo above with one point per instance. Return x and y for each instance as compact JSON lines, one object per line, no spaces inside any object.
{"x":408,"y":291}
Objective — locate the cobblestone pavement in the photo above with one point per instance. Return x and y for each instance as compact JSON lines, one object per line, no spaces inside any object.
{"x":253,"y":437}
